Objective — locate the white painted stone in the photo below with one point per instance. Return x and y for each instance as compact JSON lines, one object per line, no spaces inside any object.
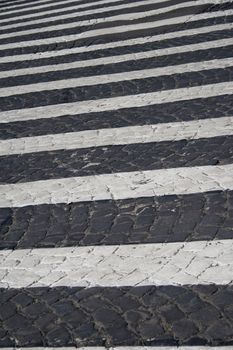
{"x":122,"y":17}
{"x":151,"y":264}
{"x":118,"y":186}
{"x":116,"y":103}
{"x":43,"y":11}
{"x":115,"y":29}
{"x":18,"y":3}
{"x":75,"y":13}
{"x":117,"y":77}
{"x":118,"y":59}
{"x":128,"y":42}
{"x":195,"y":129}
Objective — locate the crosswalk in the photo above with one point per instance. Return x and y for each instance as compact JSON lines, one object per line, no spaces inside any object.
{"x":116,"y":174}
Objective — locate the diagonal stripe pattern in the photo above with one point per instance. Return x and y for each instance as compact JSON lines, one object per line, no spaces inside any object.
{"x":116,"y":185}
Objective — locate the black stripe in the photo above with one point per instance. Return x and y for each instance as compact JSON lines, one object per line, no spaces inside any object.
{"x":22,"y":5}
{"x":175,"y":218}
{"x":184,"y":11}
{"x":127,"y":66}
{"x":7,"y":3}
{"x":29,"y":5}
{"x":13,"y":16}
{"x":104,"y":13}
{"x":116,"y":37}
{"x":116,"y":89}
{"x":113,"y":159}
{"x":64,"y":11}
{"x":212,"y":107}
{"x":115,"y":316}
{"x":188,"y":40}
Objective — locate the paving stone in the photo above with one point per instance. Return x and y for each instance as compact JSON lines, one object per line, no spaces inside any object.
{"x":148,"y":220}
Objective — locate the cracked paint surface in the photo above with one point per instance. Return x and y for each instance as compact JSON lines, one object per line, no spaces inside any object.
{"x":116,"y":186}
{"x":171,"y":263}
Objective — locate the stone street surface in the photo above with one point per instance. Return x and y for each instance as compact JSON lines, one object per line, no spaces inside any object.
{"x":116,"y":174}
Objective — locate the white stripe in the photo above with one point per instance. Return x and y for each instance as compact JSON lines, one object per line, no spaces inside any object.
{"x":91,"y":12}
{"x":112,"y":78}
{"x":129,"y":42}
{"x":118,"y":59}
{"x":18,"y":4}
{"x":119,"y":265}
{"x":42,"y":8}
{"x":118,"y":186}
{"x":114,"y":30}
{"x":9,"y":4}
{"x":104,"y":19}
{"x":115,"y":103}
{"x":194,"y":129}
{"x":50,"y":12}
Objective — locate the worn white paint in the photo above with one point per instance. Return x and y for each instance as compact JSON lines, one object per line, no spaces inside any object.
{"x":17,"y":4}
{"x":118,"y":186}
{"x":44,"y":11}
{"x":222,"y":43}
{"x":117,"y":77}
{"x":120,"y":136}
{"x":115,"y":103}
{"x":92,"y":21}
{"x":119,"y":265}
{"x":115,"y":29}
{"x":114,"y":44}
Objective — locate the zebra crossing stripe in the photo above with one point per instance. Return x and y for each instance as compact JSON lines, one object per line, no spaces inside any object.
{"x":116,"y":201}
{"x":194,"y":129}
{"x":116,"y":103}
{"x":175,"y":218}
{"x":120,"y":29}
{"x":115,"y":186}
{"x":185,"y":110}
{"x":125,"y":76}
{"x":126,"y":315}
{"x":42,"y":9}
{"x":120,"y":58}
{"x":19,"y":15}
{"x":108,"y":159}
{"x":92,"y":20}
{"x":129,"y":42}
{"x":20,"y":3}
{"x":121,"y":265}
{"x":67,"y":16}
{"x":128,"y":16}
{"x":26,"y":5}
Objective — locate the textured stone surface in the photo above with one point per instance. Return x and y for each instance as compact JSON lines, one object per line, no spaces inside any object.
{"x":204,"y":216}
{"x":161,"y":15}
{"x":117,"y":103}
{"x":196,"y":109}
{"x":149,"y":183}
{"x":139,"y":45}
{"x":194,"y":315}
{"x":116,"y":159}
{"x":117,"y":64}
{"x":129,"y":86}
{"x":118,"y":244}
{"x":105,"y":36}
{"x":119,"y":265}
{"x":191,"y":130}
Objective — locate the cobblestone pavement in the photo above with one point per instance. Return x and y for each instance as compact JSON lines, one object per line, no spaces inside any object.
{"x":116,"y":174}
